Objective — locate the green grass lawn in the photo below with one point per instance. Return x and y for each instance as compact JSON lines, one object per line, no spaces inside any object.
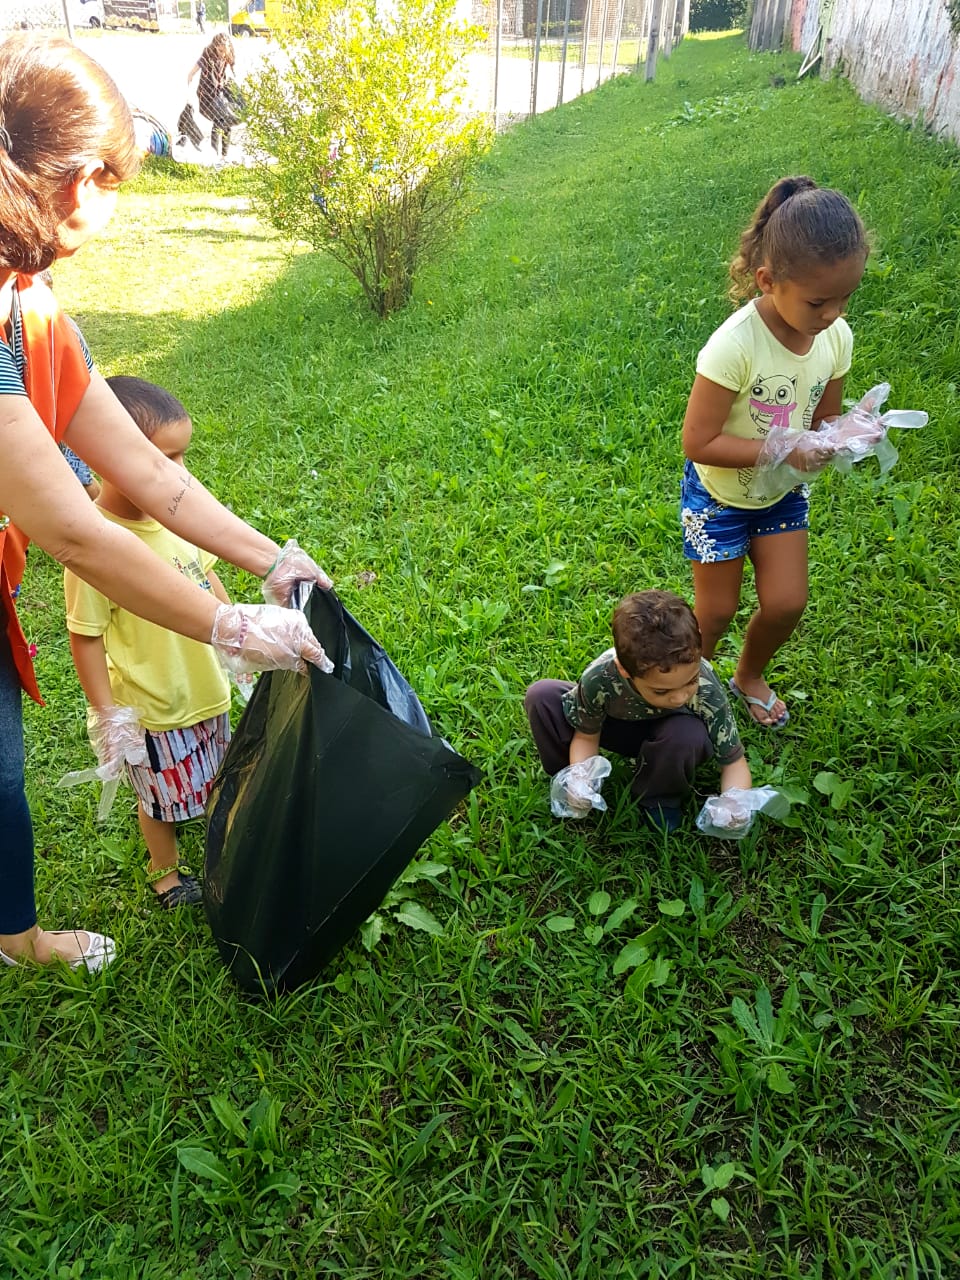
{"x":773,"y":1093}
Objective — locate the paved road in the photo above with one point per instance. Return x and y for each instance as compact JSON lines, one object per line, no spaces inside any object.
{"x":151,"y":71}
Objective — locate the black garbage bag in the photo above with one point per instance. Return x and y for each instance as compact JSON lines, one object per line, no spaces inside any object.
{"x":330,"y":786}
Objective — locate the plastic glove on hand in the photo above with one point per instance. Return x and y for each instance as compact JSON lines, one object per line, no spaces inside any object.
{"x":575,"y":790}
{"x":811,"y":452}
{"x":292,"y":567}
{"x":729,"y":816}
{"x":265,"y":637}
{"x":117,"y":738}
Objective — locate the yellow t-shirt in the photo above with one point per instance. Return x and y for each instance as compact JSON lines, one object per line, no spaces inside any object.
{"x":175,"y":682}
{"x":775,"y":388}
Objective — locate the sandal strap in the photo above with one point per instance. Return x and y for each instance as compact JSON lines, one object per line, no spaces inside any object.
{"x":157,"y":873}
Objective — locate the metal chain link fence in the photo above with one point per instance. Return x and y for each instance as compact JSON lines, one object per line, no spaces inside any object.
{"x":145,"y":15}
{"x":27,"y":14}
{"x":537,"y":55}
{"x":541,"y":53}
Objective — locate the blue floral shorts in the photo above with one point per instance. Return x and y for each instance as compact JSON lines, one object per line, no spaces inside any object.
{"x":713,"y":531}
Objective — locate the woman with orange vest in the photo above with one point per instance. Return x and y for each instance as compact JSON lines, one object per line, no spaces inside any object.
{"x":66,"y":143}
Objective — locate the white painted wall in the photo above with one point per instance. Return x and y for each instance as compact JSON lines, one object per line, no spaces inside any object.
{"x":900,"y":54}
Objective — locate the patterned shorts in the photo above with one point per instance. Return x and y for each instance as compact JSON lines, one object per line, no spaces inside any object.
{"x":713,"y":531}
{"x":181,"y":765}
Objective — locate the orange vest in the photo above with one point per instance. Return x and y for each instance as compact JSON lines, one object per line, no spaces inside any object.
{"x":57,"y":378}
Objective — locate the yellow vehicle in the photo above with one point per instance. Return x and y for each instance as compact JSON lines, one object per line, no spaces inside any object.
{"x":257,"y":18}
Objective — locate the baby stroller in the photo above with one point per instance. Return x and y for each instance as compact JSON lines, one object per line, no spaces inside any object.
{"x":152,"y":137}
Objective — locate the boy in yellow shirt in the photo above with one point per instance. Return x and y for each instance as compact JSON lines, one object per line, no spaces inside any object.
{"x":176,"y":687}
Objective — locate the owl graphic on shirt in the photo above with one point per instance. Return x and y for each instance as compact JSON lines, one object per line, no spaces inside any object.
{"x":772,"y":401}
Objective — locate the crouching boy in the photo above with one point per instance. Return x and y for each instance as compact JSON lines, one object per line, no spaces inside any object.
{"x":653,"y":698}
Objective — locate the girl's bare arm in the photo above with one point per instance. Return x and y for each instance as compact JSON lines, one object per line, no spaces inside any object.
{"x":708,"y":408}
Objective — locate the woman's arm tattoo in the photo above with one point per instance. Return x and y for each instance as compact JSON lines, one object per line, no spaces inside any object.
{"x":178,"y":498}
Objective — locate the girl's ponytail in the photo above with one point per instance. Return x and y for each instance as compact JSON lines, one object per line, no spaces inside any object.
{"x":797,"y":224}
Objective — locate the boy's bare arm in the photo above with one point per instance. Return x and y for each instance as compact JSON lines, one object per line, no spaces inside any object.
{"x":736,"y":774}
{"x":583,"y":746}
{"x":90,"y":660}
{"x":217,"y":587}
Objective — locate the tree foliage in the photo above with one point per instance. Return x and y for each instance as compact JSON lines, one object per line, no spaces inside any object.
{"x":717,"y":15}
{"x":365,"y":149}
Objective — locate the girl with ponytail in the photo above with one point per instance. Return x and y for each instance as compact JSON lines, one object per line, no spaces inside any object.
{"x":779,"y":361}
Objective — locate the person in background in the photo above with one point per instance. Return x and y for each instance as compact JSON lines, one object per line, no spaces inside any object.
{"x":201,"y":16}
{"x":59,"y":177}
{"x":215,"y":69}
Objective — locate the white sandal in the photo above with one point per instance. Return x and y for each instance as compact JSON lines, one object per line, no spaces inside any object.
{"x":99,"y":952}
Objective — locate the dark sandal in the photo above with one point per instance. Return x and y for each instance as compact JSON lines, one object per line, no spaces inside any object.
{"x":185,"y":894}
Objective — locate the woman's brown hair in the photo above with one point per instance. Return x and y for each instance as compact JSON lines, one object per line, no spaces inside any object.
{"x":797,"y":225}
{"x":59,"y":110}
{"x":219,"y":52}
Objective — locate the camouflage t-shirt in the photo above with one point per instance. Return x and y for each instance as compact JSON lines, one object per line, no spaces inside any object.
{"x":602,"y":691}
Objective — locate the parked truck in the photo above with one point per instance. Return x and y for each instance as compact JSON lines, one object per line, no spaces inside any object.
{"x":257,"y":17}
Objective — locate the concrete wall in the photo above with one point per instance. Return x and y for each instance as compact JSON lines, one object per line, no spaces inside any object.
{"x":900,"y":54}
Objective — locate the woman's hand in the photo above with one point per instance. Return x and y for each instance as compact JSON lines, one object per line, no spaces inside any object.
{"x":292,"y":567}
{"x":265,"y":637}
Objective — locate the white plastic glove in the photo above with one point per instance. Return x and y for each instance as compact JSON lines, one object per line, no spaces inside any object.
{"x":575,"y":790}
{"x":789,"y":456}
{"x":292,"y":567}
{"x":265,"y":637}
{"x":118,"y":739}
{"x":243,"y":682}
{"x":730,"y":816}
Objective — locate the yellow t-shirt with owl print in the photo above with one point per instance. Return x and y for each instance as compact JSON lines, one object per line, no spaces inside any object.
{"x":774,"y":388}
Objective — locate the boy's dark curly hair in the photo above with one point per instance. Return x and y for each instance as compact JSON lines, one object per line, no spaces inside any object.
{"x":655,"y":631}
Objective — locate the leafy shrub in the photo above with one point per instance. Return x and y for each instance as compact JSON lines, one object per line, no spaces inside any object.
{"x":364,"y":149}
{"x":717,"y":15}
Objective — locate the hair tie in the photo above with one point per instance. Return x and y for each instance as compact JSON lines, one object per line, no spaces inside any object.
{"x":6,"y":142}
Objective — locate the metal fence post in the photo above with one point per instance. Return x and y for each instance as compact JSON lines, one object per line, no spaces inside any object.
{"x":654,"y":39}
{"x":536,"y":60}
{"x":601,"y":35}
{"x":585,"y":43}
{"x":496,"y":63}
{"x":563,"y":55}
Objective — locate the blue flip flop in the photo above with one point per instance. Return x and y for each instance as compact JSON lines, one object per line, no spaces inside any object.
{"x":763,"y":704}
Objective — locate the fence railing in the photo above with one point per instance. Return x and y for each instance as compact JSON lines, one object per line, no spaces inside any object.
{"x":541,"y":53}
{"x":768,"y":25}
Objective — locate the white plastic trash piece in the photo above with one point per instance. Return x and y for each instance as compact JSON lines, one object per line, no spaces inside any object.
{"x":730,"y":816}
{"x":243,"y":682}
{"x":575,"y":790}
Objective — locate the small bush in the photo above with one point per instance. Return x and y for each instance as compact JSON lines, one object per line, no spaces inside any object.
{"x":717,"y":15}
{"x":365,"y":151}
